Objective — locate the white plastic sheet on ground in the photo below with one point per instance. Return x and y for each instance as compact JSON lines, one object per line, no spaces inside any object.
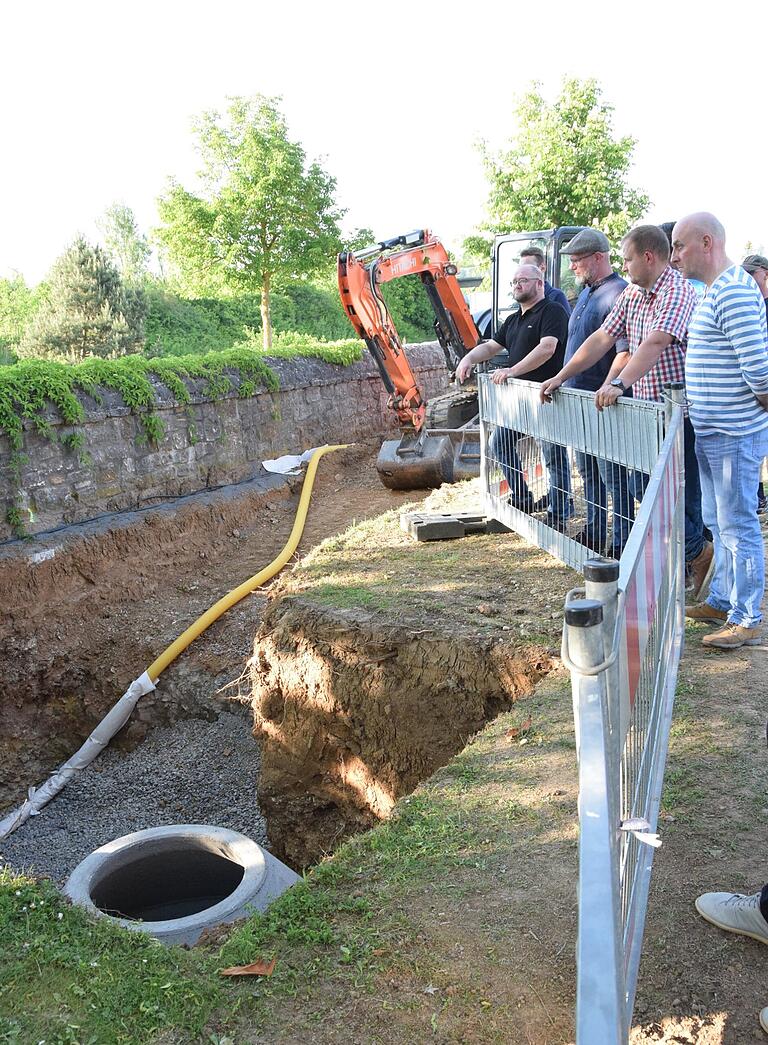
{"x":289,"y":464}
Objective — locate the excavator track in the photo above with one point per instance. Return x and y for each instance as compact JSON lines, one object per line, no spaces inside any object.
{"x":452,"y":409}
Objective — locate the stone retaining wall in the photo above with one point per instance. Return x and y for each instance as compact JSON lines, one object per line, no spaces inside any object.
{"x":207,"y":443}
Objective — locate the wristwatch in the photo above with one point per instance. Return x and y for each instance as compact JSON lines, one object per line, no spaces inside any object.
{"x":618,"y":383}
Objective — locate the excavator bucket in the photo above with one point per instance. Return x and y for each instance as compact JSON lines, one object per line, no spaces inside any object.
{"x":429,"y":459}
{"x":416,"y":462}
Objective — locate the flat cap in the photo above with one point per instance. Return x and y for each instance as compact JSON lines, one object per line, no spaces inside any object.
{"x":754,"y":261}
{"x":588,"y":241}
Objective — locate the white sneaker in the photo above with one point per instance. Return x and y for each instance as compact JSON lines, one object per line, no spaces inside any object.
{"x":764,"y":1020}
{"x":734,"y":912}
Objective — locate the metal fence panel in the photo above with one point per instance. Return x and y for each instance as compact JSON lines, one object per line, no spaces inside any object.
{"x":637,"y":683}
{"x":624,"y":679}
{"x":517,"y":429}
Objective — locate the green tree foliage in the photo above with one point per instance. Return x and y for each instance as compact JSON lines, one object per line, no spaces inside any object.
{"x":18,"y":304}
{"x":410,"y":309}
{"x":564,"y":167}
{"x":128,"y":248}
{"x":264,"y":216}
{"x":177,"y":326}
{"x":87,"y":310}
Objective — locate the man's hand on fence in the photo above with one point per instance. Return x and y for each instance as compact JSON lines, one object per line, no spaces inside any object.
{"x":548,"y":387}
{"x":500,"y":376}
{"x":608,"y":395}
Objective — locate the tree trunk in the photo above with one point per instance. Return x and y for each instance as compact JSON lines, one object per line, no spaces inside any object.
{"x":266,"y":317}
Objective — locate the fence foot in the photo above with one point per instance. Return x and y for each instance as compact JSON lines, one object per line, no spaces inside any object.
{"x":436,"y":527}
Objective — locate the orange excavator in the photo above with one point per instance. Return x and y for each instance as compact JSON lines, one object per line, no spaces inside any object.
{"x":439,"y":441}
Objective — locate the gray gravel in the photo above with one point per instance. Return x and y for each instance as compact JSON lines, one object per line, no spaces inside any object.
{"x":193,"y":772}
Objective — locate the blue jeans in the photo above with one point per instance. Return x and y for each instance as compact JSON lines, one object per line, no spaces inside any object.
{"x":729,"y":467}
{"x":694,"y":521}
{"x":600,"y":476}
{"x":503,"y":447}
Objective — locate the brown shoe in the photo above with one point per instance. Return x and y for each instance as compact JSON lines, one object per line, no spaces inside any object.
{"x":732,"y":636}
{"x":703,"y":611}
{"x":701,"y":570}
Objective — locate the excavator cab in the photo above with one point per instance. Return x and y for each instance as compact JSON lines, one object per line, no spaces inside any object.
{"x":506,"y":257}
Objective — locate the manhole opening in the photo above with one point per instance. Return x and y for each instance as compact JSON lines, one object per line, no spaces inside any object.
{"x":166,"y":883}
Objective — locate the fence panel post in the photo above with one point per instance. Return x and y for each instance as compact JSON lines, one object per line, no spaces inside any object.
{"x":600,"y":1003}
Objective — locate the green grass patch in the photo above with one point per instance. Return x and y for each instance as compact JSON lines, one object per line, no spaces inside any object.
{"x":67,"y":979}
{"x":681,"y":789}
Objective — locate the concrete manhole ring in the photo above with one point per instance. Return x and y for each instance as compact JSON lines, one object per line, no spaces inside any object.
{"x":174,"y":882}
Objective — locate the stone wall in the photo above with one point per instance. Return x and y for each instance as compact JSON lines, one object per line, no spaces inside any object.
{"x":207,"y":443}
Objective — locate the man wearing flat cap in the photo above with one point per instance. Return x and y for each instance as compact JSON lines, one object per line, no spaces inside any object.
{"x":757,"y":266}
{"x":589,"y":251}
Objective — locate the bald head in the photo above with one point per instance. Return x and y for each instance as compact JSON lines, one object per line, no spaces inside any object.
{"x":698,"y":247}
{"x":702,"y":224}
{"x":528,"y":271}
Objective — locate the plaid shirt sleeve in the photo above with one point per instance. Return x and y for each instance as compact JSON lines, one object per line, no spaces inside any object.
{"x":615,"y":323}
{"x":674,"y":308}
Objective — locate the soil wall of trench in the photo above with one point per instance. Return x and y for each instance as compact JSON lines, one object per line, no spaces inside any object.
{"x":352,"y":713}
{"x":86,"y":611}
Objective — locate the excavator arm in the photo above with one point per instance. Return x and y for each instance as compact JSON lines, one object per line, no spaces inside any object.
{"x":360,"y":277}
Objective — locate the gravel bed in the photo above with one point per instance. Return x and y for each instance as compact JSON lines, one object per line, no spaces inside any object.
{"x":193,"y":772}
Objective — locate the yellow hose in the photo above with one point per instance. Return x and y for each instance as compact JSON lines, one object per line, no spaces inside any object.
{"x":168,"y":656}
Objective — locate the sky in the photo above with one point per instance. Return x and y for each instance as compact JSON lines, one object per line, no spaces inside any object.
{"x":98,"y":101}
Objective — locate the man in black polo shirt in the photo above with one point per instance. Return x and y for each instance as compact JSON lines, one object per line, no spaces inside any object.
{"x":534,"y":338}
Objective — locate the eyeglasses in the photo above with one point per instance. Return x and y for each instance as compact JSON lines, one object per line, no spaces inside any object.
{"x":581,"y":257}
{"x":522,"y":279}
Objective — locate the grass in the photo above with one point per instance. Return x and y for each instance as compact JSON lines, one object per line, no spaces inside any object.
{"x":377,"y":567}
{"x":67,"y":979}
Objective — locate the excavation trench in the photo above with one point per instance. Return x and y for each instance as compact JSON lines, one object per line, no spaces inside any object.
{"x":372,"y":664}
{"x":353,"y":713}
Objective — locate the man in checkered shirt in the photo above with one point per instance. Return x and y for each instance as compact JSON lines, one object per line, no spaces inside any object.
{"x":653,"y":314}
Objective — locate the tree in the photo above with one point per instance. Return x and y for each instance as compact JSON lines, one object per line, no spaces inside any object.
{"x":564,"y":167}
{"x":87,"y":310}
{"x":264,"y":216}
{"x":126,"y":246}
{"x":18,"y":304}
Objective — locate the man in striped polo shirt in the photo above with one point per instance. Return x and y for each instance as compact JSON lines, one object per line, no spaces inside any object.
{"x":652,"y":315}
{"x":726,"y":373}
